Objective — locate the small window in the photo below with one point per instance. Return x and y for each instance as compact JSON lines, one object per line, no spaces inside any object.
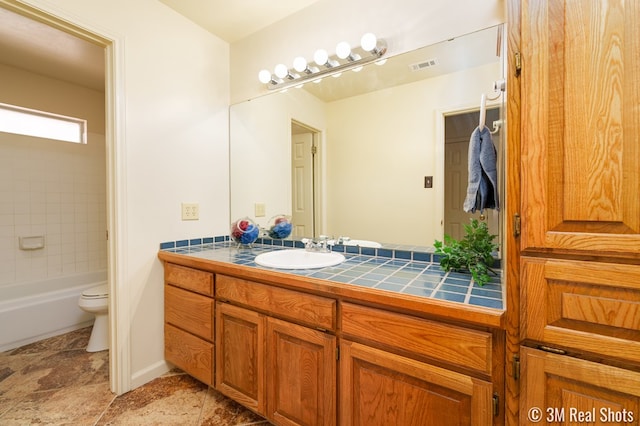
{"x":29,"y":122}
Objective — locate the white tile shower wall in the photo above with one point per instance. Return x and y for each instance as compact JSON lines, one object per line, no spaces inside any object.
{"x":55,"y":189}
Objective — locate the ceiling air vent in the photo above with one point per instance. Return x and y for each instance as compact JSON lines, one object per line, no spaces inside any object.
{"x":424,"y":64}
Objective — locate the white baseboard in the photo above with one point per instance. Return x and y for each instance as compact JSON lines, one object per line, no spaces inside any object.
{"x":154,"y":371}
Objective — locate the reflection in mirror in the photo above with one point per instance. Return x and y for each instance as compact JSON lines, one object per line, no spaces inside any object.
{"x":350,"y":156}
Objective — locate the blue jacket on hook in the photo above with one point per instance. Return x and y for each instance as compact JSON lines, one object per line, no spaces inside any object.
{"x":482,"y":191}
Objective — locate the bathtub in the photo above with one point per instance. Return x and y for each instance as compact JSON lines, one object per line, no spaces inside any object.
{"x":36,"y":310}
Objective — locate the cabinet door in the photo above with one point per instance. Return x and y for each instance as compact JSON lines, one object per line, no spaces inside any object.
{"x":559,"y":389}
{"x":380,"y":388}
{"x":301,"y":375}
{"x":581,"y":125}
{"x":582,"y":306}
{"x":240,"y":355}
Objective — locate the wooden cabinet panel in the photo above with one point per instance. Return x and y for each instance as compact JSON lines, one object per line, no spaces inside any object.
{"x":240,"y":350}
{"x":581,"y":126}
{"x":189,"y":353}
{"x":301,"y":375}
{"x":315,"y":311}
{"x":379,"y":388}
{"x":586,"y":306}
{"x":189,"y":278}
{"x":568,"y":390}
{"x":189,"y":311}
{"x":457,"y":345}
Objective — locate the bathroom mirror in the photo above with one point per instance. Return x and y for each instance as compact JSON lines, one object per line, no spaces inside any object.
{"x":362,"y":155}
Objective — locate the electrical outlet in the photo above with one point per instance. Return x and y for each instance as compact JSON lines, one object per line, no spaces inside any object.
{"x":190,"y":211}
{"x":260,"y":209}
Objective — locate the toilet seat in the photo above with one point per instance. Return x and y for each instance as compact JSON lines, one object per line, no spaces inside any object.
{"x":97,"y":292}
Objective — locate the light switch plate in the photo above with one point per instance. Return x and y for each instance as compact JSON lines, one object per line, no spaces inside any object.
{"x":190,"y":211}
{"x":428,"y":181}
{"x":260,"y":209}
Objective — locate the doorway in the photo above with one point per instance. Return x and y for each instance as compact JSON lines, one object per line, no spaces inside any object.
{"x":458,"y":128}
{"x":304,"y":179}
{"x":119,"y":374}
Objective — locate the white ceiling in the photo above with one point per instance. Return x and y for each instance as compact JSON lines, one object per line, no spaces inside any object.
{"x":233,"y":20}
{"x":41,"y":49}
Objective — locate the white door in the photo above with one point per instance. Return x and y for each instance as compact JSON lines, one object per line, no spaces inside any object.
{"x":302,"y":185}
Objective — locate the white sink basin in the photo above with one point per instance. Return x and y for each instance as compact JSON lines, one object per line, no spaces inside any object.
{"x":361,"y":243}
{"x":298,"y":259}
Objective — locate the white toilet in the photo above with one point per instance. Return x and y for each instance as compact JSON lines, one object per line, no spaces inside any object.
{"x":95,"y":300}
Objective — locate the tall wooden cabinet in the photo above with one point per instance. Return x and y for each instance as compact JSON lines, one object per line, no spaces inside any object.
{"x":579,"y":288}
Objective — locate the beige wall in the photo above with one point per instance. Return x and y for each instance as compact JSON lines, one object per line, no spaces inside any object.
{"x":260,"y":170}
{"x":174,"y":96}
{"x":172,"y":147}
{"x":378,"y":155}
{"x":404,"y":24}
{"x":29,"y":90}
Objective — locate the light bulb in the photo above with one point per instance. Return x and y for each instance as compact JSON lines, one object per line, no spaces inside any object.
{"x":264,"y":76}
{"x":300,"y":64}
{"x":281,"y":71}
{"x":343,"y":50}
{"x":321,"y":57}
{"x":368,"y":42}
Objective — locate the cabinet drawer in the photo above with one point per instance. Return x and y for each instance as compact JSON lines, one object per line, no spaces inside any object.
{"x":189,"y":311}
{"x":189,"y":353}
{"x":587,"y":306}
{"x":315,"y":311}
{"x":189,"y":278}
{"x":464,"y":347}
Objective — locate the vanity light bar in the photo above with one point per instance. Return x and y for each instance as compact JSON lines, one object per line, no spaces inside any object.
{"x":345,"y":59}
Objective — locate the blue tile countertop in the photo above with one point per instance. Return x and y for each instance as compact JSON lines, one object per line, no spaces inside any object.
{"x":410,"y":273}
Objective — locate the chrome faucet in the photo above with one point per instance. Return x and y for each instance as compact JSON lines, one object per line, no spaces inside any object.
{"x":319,"y":245}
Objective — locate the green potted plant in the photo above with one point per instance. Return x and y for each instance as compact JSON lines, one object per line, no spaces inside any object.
{"x":473,"y":253}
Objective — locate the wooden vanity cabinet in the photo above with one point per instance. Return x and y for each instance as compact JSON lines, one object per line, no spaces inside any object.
{"x":288,"y":355}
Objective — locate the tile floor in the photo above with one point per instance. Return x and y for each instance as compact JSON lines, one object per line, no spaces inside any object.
{"x":56,"y":382}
